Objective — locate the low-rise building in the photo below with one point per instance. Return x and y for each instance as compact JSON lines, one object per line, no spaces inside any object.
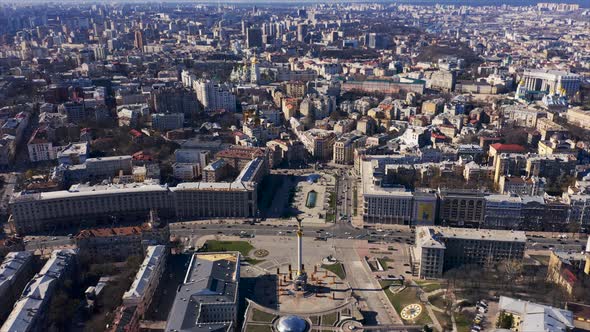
{"x":551,"y":165}
{"x":533,"y":186}
{"x":579,"y":117}
{"x":186,"y":171}
{"x":207,"y":300}
{"x":30,"y":311}
{"x":142,"y":290}
{"x":73,"y":153}
{"x":534,"y":317}
{"x":104,"y":167}
{"x":15,"y":272}
{"x":167,"y":121}
{"x":566,"y":270}
{"x":118,"y":243}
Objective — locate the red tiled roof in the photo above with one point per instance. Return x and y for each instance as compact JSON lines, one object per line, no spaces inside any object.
{"x":569,"y":276}
{"x":108,"y":232}
{"x":243,"y":152}
{"x":140,"y":155}
{"x":135,"y":133}
{"x":507,"y":147}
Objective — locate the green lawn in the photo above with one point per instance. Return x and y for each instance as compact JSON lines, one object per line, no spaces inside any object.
{"x":386,"y":283}
{"x":438,"y":301}
{"x":261,"y":316}
{"x":406,"y":297}
{"x":331,"y":216}
{"x":337,"y":269}
{"x":383,"y":262}
{"x":444,"y":320}
{"x":429,"y":285}
{"x":330,"y":319}
{"x":213,"y":245}
{"x":463,"y":322}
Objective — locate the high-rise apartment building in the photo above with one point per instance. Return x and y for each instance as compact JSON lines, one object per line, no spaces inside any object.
{"x":301,"y":32}
{"x":254,"y":37}
{"x":214,"y":96}
{"x":139,"y":40}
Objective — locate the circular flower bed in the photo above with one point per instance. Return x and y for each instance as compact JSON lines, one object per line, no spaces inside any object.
{"x":260,"y":253}
{"x":411,"y":312}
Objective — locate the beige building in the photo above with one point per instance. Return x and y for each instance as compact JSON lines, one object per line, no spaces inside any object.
{"x":522,"y":115}
{"x":118,"y":243}
{"x":548,"y":128}
{"x":142,"y":290}
{"x":344,"y":148}
{"x":295,"y":89}
{"x":579,"y":117}
{"x":89,"y":205}
{"x":554,"y":145}
{"x":433,"y":107}
{"x":550,"y":165}
{"x":36,"y":212}
{"x":290,"y":107}
{"x":533,"y":186}
{"x":383,"y":205}
{"x":461,"y":207}
{"x":319,"y":143}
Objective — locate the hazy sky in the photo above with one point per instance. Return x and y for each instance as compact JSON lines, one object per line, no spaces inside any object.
{"x":582,"y":3}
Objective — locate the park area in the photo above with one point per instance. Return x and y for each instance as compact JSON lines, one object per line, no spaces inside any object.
{"x":406,"y":297}
{"x":243,"y":247}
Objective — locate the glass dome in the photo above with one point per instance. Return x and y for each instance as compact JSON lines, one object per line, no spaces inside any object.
{"x":292,"y":324}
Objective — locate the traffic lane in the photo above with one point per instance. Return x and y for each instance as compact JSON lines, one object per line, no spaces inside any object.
{"x":46,"y":242}
{"x":371,"y":236}
{"x":339,"y":228}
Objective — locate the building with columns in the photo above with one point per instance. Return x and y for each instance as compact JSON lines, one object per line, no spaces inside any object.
{"x":552,"y":81}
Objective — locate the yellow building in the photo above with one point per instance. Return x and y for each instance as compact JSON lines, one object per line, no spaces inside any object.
{"x":579,"y":117}
{"x":563,"y":269}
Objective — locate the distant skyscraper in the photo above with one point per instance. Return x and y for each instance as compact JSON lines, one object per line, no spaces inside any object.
{"x":377,"y":41}
{"x":139,"y":41}
{"x":254,"y":71}
{"x":301,"y":32}
{"x":100,"y":52}
{"x":245,"y":26}
{"x":254,"y":38}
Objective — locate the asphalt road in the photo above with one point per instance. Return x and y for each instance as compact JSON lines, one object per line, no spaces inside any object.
{"x":340,"y":230}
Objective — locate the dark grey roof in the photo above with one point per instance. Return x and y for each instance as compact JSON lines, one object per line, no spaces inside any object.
{"x":211,"y":280}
